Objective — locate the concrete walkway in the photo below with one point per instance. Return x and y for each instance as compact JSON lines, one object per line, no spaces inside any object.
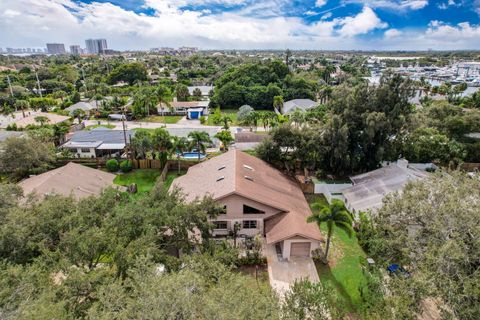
{"x":282,"y":274}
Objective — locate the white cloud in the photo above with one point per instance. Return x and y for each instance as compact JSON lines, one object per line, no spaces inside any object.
{"x":326,"y":16}
{"x":476,"y":6}
{"x":401,"y":5}
{"x":11,"y":13}
{"x":449,"y":3}
{"x":71,"y":23}
{"x":392,"y":33}
{"x":362,"y":23}
{"x":320,"y":3}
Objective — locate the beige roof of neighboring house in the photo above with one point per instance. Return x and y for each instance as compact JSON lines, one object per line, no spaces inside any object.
{"x":370,"y":188}
{"x":236,"y":172}
{"x":71,"y":179}
{"x":53,"y":119}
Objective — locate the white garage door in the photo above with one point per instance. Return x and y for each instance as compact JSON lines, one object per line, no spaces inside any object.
{"x":300,"y":249}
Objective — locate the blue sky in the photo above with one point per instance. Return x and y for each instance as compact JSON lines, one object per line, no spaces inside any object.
{"x":245,"y":24}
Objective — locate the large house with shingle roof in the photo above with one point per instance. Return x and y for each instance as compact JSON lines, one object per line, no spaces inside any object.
{"x":261,"y":199}
{"x":71,"y":179}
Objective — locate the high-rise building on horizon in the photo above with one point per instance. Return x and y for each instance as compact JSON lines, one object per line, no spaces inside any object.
{"x":56,"y":48}
{"x":96,"y":46}
{"x":75,"y":50}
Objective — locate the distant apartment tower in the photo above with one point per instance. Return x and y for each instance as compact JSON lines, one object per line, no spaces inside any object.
{"x":75,"y":50}
{"x":56,"y":48}
{"x":96,"y":46}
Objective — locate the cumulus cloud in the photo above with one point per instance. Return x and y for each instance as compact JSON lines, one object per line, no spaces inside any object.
{"x":362,"y":23}
{"x":392,"y":33}
{"x":172,"y":24}
{"x":320,"y":3}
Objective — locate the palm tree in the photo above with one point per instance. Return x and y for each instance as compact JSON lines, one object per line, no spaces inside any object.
{"x":179,"y":146}
{"x":79,"y":114}
{"x":334,"y":214}
{"x":225,"y":136}
{"x":22,"y":105}
{"x":253,"y":118}
{"x":278,"y":103}
{"x":200,"y":139}
{"x":141,"y":143}
{"x":297,"y":118}
{"x":41,"y":119}
{"x":163,"y":94}
{"x":163,"y":143}
{"x":225,"y":119}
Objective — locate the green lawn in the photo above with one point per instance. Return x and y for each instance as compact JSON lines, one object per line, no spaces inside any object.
{"x":231,"y":113}
{"x":109,"y":126}
{"x":144,"y":178}
{"x":162,"y":119}
{"x":344,"y":270}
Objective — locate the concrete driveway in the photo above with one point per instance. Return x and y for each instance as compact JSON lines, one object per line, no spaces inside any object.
{"x":282,"y":274}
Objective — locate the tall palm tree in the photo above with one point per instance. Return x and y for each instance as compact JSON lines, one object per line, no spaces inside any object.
{"x":278,"y":103}
{"x":200,"y":139}
{"x":179,"y":146}
{"x":22,"y":105}
{"x":163,"y":94}
{"x":163,"y":143}
{"x":141,"y":143}
{"x":334,"y":214}
{"x":225,"y":119}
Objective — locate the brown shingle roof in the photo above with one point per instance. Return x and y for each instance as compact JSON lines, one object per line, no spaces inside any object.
{"x":254,"y":179}
{"x":71,"y":179}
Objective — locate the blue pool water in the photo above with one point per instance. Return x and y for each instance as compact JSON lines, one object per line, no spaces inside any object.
{"x":192,"y":155}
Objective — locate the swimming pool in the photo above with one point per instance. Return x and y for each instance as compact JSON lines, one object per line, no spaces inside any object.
{"x":192,"y":155}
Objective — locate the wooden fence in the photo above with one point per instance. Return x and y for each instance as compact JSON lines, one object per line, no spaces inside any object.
{"x":469,"y":166}
{"x":146,"y":164}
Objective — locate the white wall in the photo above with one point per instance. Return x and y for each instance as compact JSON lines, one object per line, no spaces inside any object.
{"x":78,"y":151}
{"x":329,"y":190}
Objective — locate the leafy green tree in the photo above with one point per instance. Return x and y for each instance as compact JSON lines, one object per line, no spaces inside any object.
{"x":428,"y":144}
{"x":308,"y":300}
{"x":129,"y":73}
{"x":334,"y":214}
{"x":244,"y":112}
{"x":431,"y":228}
{"x":22,"y":155}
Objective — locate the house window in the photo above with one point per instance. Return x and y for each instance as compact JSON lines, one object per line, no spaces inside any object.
{"x":251,"y":210}
{"x":222,"y":225}
{"x":85,"y":150}
{"x":249,"y":224}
